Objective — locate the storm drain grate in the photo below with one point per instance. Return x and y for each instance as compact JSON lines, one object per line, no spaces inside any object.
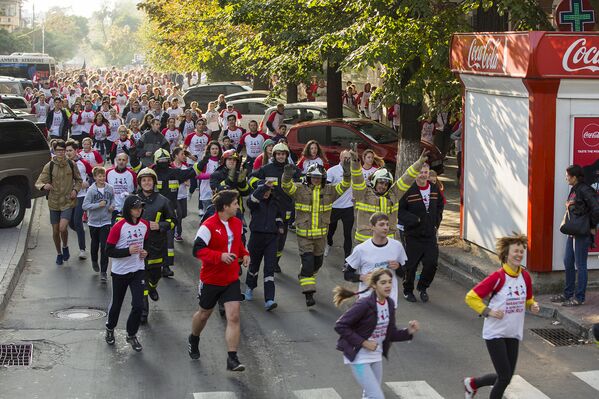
{"x":79,"y":314}
{"x":558,"y":336}
{"x":15,"y":354}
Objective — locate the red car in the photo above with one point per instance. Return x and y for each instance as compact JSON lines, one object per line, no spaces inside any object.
{"x":336,"y":135}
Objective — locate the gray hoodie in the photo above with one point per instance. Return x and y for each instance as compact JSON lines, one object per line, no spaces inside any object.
{"x":97,"y":216}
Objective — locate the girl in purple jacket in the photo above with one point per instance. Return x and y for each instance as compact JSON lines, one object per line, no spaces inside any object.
{"x":367,"y":329}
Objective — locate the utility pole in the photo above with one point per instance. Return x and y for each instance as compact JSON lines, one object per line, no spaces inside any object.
{"x":33,"y":26}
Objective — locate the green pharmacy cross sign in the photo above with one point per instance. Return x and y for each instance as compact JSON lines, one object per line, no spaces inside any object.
{"x":574,"y":15}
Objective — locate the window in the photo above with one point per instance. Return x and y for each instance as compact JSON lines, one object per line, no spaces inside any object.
{"x":230,"y":89}
{"x":377,"y":132}
{"x":257,"y":108}
{"x":20,"y":137}
{"x":14,"y":102}
{"x":312,"y":114}
{"x":243,"y":108}
{"x":292,"y":116}
{"x":318,"y":133}
{"x":343,"y":137}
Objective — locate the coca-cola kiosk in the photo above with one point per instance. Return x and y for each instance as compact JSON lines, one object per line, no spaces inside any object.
{"x":531,"y":108}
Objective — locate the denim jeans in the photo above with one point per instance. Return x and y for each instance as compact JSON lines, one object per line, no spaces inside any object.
{"x":76,"y":223}
{"x":575,"y":259}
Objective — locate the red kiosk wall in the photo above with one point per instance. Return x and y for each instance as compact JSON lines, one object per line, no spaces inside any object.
{"x":541,"y":167}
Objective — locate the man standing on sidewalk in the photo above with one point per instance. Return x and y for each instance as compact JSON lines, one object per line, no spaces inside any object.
{"x":61,"y":179}
{"x":420,"y":212}
{"x":218,"y":245}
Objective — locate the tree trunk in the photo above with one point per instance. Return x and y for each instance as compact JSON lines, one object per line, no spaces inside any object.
{"x":292,"y":93}
{"x":334,"y":84}
{"x":408,"y":149}
{"x":261,"y":82}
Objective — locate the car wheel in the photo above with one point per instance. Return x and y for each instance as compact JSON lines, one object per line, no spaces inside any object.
{"x":12,"y":206}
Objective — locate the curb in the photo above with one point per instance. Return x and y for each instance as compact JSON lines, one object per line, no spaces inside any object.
{"x":17,"y":262}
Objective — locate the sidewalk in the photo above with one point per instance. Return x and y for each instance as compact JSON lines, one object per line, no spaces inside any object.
{"x":467,"y":264}
{"x":13,"y":249}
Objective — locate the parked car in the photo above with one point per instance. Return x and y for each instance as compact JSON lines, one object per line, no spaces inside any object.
{"x":23,"y":153}
{"x":7,"y":112}
{"x":303,"y":112}
{"x":204,"y":93}
{"x":16,"y":103}
{"x":10,"y":85}
{"x":335,"y":135}
{"x":251,"y":109}
{"x":247,"y":94}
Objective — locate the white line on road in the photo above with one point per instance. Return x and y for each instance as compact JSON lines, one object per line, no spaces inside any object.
{"x":413,"y":390}
{"x":215,"y":395}
{"x":519,"y":388}
{"x":323,"y":393}
{"x":590,"y":377}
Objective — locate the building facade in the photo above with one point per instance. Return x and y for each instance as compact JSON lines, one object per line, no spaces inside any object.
{"x":10,"y":14}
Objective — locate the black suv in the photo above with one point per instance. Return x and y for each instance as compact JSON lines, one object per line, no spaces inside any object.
{"x":205,"y":93}
{"x":23,"y":153}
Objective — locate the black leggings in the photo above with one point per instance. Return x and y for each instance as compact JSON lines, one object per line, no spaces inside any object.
{"x":98,"y":242}
{"x":120,"y":282}
{"x":181,"y":214}
{"x":346,"y":215}
{"x":504,"y":355}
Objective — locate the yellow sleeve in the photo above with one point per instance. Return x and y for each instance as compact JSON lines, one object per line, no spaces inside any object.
{"x":357,"y":178}
{"x":530,"y":302}
{"x":407,"y":179}
{"x":476,"y":303}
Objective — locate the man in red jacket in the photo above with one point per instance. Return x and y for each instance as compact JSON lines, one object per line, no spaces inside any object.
{"x":218,"y":245}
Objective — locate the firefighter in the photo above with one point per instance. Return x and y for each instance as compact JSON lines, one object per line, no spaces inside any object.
{"x":168,"y":181}
{"x":313,"y":204}
{"x":273,"y":171}
{"x":381,"y":196}
{"x":161,"y":217}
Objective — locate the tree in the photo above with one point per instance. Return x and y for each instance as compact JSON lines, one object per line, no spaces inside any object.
{"x":63,"y":33}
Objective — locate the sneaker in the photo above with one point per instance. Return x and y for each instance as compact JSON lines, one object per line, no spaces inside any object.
{"x":423,"y":296}
{"x":59,"y":259}
{"x":201,"y":213}
{"x":233,"y":364}
{"x":178,"y":238}
{"x":249,"y":294}
{"x":327,"y":249}
{"x":109,"y":337}
{"x":193,"y":347}
{"x":82,"y":254}
{"x":410,"y":297}
{"x":277,"y":268}
{"x":103,"y":277}
{"x":95,"y":266}
{"x":153,"y":294}
{"x":167,"y":272}
{"x":310,"y":301}
{"x":134,"y":343}
{"x":559,"y":298}
{"x":65,"y":254}
{"x":572,"y":302}
{"x":469,"y":389}
{"x":270,"y":305}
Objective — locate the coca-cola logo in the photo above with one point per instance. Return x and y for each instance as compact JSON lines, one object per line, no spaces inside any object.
{"x":590,"y":135}
{"x":484,"y":55}
{"x":579,"y":57}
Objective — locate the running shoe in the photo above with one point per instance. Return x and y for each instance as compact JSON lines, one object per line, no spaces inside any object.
{"x":572,"y":302}
{"x":423,"y":296}
{"x":178,"y":238}
{"x":233,"y":364}
{"x":59,"y":259}
{"x":559,"y":298}
{"x":65,"y":254}
{"x":167,"y":272}
{"x":469,"y":389}
{"x":153,"y":294}
{"x":327,"y":249}
{"x":410,"y":297}
{"x":270,"y":305}
{"x":193,"y":347}
{"x":109,"y":337}
{"x":82,"y":254}
{"x":134,"y":343}
{"x":310,"y":301}
{"x":103,"y":277}
{"x":95,"y":266}
{"x":249,"y":295}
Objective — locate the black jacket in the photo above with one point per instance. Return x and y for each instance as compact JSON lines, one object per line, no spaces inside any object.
{"x":169,"y":180}
{"x":275,"y":169}
{"x":419,"y":222}
{"x":150,"y":141}
{"x":584,"y":200}
{"x":266,"y":214}
{"x":64,"y":126}
{"x":158,"y":209}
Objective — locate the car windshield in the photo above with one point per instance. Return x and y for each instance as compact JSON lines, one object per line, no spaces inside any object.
{"x":350,"y":113}
{"x":376,"y":132}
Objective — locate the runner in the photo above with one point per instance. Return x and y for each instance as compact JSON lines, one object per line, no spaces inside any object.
{"x":172,"y":134}
{"x":252,"y":141}
{"x":92,"y":156}
{"x":207,"y":165}
{"x":218,"y":245}
{"x":343,"y":208}
{"x":57,"y":121}
{"x":99,"y":133}
{"x":179,"y":162}
{"x":187,"y":125}
{"x":233,"y":131}
{"x":312,"y":155}
{"x":123,"y":181}
{"x":510,"y":289}
{"x":76,"y":124}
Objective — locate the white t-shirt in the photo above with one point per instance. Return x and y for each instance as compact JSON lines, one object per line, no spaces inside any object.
{"x":235,"y":136}
{"x":56,"y":122}
{"x":123,"y":235}
{"x":114,"y":125}
{"x":229,"y":235}
{"x":205,"y":190}
{"x":425,"y":192}
{"x":334,"y":176}
{"x":123,"y":185}
{"x":368,"y":172}
{"x":197,"y":144}
{"x":378,"y":335}
{"x":511,"y":299}
{"x":367,"y":257}
{"x":87,"y":117}
{"x":173,"y":137}
{"x":183,"y":188}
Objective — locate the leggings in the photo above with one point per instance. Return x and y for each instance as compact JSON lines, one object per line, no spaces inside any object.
{"x":369,"y":376}
{"x":76,"y":223}
{"x":135,"y":282}
{"x":346,"y":215}
{"x":181,"y":214}
{"x":504,"y":355}
{"x":98,"y":237}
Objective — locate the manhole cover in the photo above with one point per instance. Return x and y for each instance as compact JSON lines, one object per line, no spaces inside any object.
{"x":558,"y":336}
{"x":79,"y":314}
{"x":15,"y":354}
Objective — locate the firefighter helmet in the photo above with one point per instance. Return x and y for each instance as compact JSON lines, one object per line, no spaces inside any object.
{"x":147,"y":172}
{"x":316,"y":170}
{"x":162,"y":155}
{"x":381,"y":175}
{"x":282,"y":147}
{"x":230,"y":154}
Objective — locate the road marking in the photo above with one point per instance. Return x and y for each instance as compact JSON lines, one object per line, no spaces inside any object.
{"x":215,"y":395}
{"x":519,"y":388}
{"x":322,"y":393}
{"x":590,"y":377}
{"x":413,"y":390}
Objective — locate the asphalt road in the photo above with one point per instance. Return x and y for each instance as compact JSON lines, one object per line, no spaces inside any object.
{"x":290,"y":352}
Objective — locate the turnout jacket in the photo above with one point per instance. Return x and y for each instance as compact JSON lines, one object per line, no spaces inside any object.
{"x":157,"y":208}
{"x":367,"y":202}
{"x":313,"y":205}
{"x":267,"y":217}
{"x":419,"y":222}
{"x":169,"y":180}
{"x":275,"y":169}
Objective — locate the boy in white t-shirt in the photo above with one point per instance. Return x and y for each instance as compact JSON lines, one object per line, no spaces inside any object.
{"x":377,"y":252}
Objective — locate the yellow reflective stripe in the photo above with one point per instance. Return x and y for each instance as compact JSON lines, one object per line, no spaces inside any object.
{"x":413,"y":172}
{"x":171,"y":253}
{"x":383,"y":205}
{"x":339,"y":188}
{"x":362,"y":206}
{"x":154,"y":261}
{"x":303,"y":207}
{"x":402,"y":185}
{"x":279,"y":254}
{"x":395,"y":207}
{"x":152,"y":285}
{"x":356,"y":172}
{"x":311,"y":232}
{"x":146,"y":292}
{"x":196,"y":168}
{"x":159,"y":186}
{"x":359,"y":187}
{"x":253,"y":181}
{"x":315,"y":206}
{"x":136,"y":168}
{"x":173,"y":185}
{"x":158,"y":216}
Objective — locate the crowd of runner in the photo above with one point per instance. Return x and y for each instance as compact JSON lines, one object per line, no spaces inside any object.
{"x":128,"y":155}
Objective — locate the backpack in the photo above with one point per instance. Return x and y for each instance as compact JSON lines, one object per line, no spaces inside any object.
{"x":71,"y":164}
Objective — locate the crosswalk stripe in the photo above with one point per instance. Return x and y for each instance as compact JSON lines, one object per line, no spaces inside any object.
{"x":413,"y":390}
{"x":215,"y":395}
{"x":322,"y":393}
{"x":519,"y":388}
{"x":590,"y":377}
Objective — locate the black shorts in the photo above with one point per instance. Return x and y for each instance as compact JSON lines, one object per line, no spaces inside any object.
{"x":209,"y":294}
